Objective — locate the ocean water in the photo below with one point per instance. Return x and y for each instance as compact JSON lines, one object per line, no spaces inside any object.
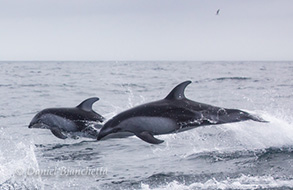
{"x":245,"y":155}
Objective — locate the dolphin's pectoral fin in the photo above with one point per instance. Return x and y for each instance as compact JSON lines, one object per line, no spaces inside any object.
{"x":148,"y":137}
{"x":57,"y":132}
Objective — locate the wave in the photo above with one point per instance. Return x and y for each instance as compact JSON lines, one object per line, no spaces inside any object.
{"x":172,"y":181}
{"x":232,"y":78}
{"x":259,"y":154}
{"x":224,"y":79}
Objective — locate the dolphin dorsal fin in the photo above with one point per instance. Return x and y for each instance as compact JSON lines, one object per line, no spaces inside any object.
{"x":87,"y":104}
{"x":178,"y":92}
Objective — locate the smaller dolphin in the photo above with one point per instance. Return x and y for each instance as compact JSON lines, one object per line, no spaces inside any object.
{"x":69,"y":120}
{"x":175,"y":113}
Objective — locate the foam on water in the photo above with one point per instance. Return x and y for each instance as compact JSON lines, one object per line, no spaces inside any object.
{"x":244,"y":182}
{"x":247,"y":135}
{"x":16,"y":159}
{"x":277,"y":133}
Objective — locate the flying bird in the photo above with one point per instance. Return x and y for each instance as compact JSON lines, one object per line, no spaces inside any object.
{"x":218,"y":12}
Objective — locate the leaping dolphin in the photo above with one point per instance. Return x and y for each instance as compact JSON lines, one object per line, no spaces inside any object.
{"x":175,"y":113}
{"x":63,"y":121}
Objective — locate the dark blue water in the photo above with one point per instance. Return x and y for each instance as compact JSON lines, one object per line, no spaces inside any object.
{"x":246,"y":155}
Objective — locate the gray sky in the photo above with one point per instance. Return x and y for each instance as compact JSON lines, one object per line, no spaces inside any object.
{"x":146,"y":30}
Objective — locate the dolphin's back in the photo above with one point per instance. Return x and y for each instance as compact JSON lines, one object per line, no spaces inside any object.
{"x":73,"y":114}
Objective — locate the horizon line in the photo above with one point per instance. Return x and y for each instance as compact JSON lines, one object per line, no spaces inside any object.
{"x":145,"y":60}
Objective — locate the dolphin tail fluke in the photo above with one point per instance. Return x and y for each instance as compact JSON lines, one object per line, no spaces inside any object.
{"x":148,"y":137}
{"x":257,"y":118}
